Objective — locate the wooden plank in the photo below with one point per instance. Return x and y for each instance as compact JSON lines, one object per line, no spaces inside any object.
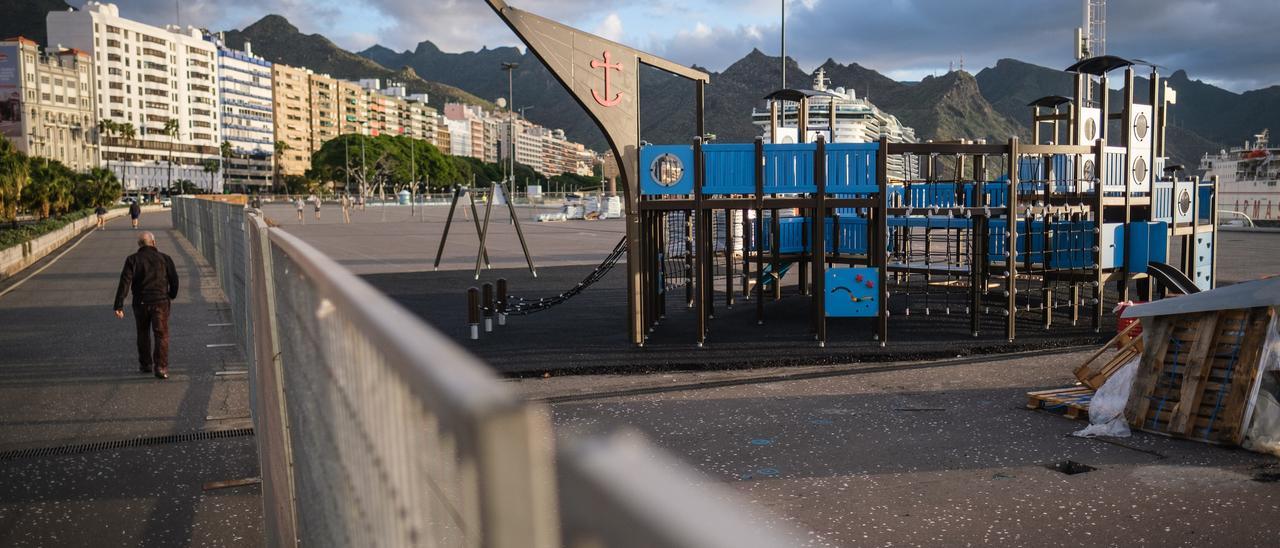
{"x":1083,"y":373}
{"x":1196,"y":373}
{"x":1242,"y":379}
{"x":1149,"y":369}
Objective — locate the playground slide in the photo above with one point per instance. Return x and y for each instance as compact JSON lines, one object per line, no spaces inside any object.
{"x":768,"y":277}
{"x":1172,"y":277}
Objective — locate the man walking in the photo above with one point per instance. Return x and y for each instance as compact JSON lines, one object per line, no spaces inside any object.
{"x":135,"y":211}
{"x":153,"y":279}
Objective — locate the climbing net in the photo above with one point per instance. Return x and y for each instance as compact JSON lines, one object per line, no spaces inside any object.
{"x":520,"y":306}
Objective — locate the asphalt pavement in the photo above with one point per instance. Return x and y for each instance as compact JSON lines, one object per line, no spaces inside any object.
{"x":69,"y":379}
{"x":930,"y":454}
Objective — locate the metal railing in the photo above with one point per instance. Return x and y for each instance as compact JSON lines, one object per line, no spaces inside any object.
{"x":374,"y":429}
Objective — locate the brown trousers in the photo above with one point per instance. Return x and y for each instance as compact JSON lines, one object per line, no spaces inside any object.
{"x":153,"y":319}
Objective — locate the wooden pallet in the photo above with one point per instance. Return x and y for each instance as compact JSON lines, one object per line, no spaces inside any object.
{"x":1130,"y":347}
{"x":1199,"y":375}
{"x":1074,"y":401}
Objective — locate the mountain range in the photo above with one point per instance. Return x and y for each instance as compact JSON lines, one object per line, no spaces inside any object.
{"x":989,"y":105}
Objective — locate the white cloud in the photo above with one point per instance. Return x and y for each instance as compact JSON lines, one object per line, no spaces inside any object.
{"x":610,"y":28}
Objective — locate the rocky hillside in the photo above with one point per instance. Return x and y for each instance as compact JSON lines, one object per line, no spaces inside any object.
{"x":277,"y":40}
{"x":26,"y":18}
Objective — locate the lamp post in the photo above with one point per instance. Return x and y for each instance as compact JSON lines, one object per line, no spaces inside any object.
{"x":511,"y":123}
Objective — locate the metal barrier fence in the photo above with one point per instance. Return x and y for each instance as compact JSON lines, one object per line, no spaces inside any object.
{"x":375,"y":430}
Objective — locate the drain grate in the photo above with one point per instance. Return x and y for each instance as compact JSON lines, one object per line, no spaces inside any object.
{"x":1070,"y":467}
{"x":120,"y":444}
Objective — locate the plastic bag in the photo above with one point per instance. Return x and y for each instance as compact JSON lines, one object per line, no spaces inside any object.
{"x":1106,"y":410}
{"x":1263,"y":434}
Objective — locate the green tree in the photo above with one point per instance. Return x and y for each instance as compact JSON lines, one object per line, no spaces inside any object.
{"x":389,"y":159}
{"x":212,"y":167}
{"x":183,"y":186}
{"x":15,"y":175}
{"x":97,"y":187}
{"x":171,"y":130}
{"x":50,"y":190}
{"x":281,"y":147}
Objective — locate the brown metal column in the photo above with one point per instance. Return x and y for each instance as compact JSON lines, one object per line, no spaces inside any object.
{"x":1011,"y":241}
{"x":759,"y":233}
{"x":700,"y":239}
{"x":878,"y":247}
{"x":819,"y":241}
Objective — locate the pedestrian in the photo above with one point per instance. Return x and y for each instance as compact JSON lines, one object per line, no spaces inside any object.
{"x":297,"y":203}
{"x":135,"y":211}
{"x":102,"y":217}
{"x":152,"y":278}
{"x":346,"y":208}
{"x":316,"y":202}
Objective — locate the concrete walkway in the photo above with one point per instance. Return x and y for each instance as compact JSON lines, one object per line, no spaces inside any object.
{"x":68,"y":376}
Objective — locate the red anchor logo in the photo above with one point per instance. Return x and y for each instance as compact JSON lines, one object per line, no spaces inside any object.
{"x":606,"y":65}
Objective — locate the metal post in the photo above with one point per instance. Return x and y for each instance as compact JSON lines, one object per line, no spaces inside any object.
{"x":484,"y":230}
{"x":486,"y":292}
{"x":879,"y":246}
{"x":473,"y":312}
{"x":501,"y":301}
{"x":1011,"y":240}
{"x":515,"y":220}
{"x":457,"y":191}
{"x":819,"y":254}
{"x":700,"y":239}
{"x":759,"y":232}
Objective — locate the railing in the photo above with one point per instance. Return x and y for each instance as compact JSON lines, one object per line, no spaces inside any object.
{"x":375,"y":430}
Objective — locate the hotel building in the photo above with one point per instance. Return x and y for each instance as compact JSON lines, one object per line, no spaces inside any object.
{"x":145,"y":77}
{"x":47,"y":103}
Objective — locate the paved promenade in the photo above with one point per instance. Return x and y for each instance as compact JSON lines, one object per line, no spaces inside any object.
{"x":68,"y":378}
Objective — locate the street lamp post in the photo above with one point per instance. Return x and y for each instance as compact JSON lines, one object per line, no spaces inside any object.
{"x":511,"y":123}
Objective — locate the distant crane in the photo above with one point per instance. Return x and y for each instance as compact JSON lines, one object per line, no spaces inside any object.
{"x":1091,"y":38}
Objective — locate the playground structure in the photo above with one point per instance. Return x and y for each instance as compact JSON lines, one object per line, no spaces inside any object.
{"x":966,"y":229}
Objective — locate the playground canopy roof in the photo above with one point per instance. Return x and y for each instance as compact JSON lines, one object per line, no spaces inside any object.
{"x":1050,"y":101}
{"x":797,"y":94}
{"x":1100,"y":65}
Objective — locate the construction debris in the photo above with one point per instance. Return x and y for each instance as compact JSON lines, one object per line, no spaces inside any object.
{"x":1205,"y":368}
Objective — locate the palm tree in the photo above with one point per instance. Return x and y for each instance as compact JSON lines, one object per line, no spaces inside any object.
{"x":107,"y":127}
{"x":171,"y":130}
{"x":225,"y":151}
{"x":100,"y":188}
{"x":15,"y":175}
{"x":281,"y":148}
{"x":211,"y":167}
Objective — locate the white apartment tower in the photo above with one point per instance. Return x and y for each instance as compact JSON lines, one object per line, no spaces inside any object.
{"x":246,"y":105}
{"x":145,"y":77}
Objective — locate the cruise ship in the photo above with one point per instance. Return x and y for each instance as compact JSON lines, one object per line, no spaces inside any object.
{"x":857,"y":120}
{"x":1247,"y":178}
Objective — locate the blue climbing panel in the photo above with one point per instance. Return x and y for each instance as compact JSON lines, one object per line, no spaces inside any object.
{"x":853,"y":292}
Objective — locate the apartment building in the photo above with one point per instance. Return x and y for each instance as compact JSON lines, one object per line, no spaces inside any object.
{"x":467,"y":131}
{"x":147,"y":78}
{"x":245,"y":100}
{"x":353,"y":108}
{"x":292,"y":117}
{"x":47,"y":102}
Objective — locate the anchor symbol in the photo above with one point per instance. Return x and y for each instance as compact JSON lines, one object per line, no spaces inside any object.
{"x":606,"y":65}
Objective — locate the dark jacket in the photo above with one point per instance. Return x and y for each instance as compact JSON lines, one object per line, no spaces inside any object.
{"x":135,"y":210}
{"x":150,"y":275}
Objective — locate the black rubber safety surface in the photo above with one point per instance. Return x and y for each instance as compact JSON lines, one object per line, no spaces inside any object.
{"x":588,"y":334}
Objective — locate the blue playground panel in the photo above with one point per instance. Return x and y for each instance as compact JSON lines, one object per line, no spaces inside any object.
{"x":729,"y":169}
{"x":851,"y":168}
{"x":853,"y":293}
{"x":788,"y":169}
{"x":794,"y":235}
{"x":650,"y":186}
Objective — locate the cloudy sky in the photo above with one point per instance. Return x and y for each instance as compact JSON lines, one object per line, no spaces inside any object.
{"x":1231,"y":43}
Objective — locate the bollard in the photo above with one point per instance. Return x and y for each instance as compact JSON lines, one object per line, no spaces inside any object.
{"x":502,"y":301}
{"x":487,"y":290}
{"x":473,"y":312}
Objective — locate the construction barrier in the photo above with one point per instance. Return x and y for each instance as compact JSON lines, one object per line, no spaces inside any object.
{"x":374,"y":429}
